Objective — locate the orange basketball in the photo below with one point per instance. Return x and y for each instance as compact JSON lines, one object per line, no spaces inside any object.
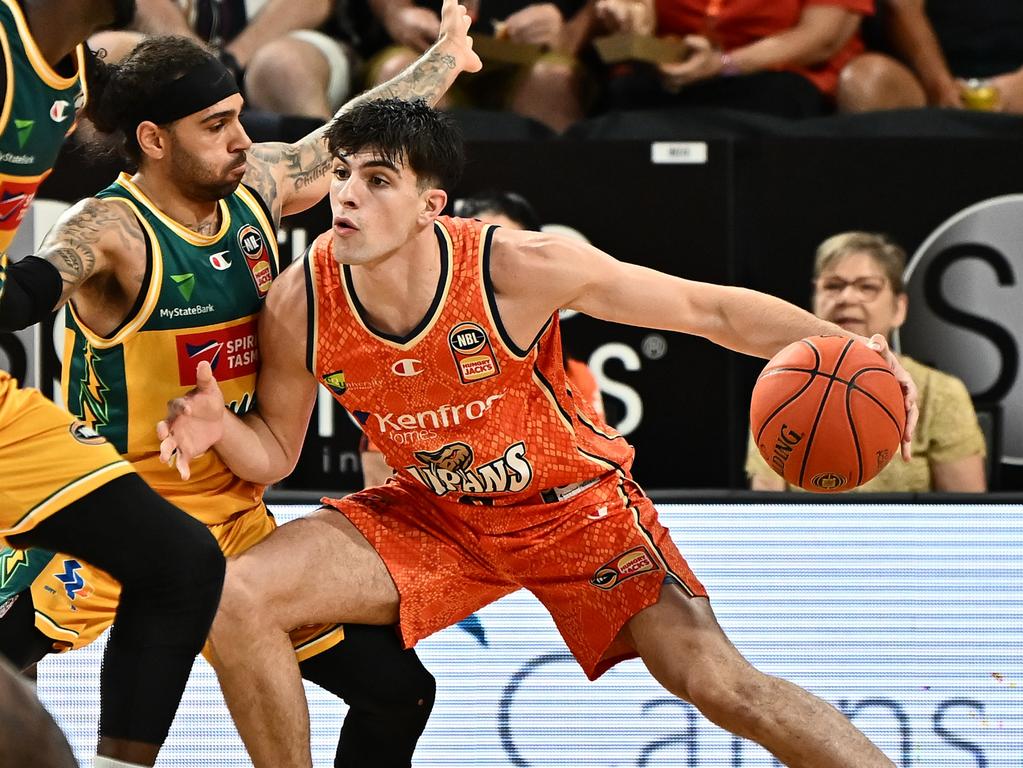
{"x":827,"y":413}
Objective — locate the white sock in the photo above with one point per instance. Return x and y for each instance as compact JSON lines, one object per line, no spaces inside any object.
{"x":109,"y":762}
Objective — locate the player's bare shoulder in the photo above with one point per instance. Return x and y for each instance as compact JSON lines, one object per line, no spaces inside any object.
{"x":92,"y":237}
{"x":537,"y":265}
{"x":284,"y":319}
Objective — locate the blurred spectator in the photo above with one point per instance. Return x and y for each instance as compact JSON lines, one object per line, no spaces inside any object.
{"x":949,"y":43}
{"x":285,"y":53}
{"x":506,"y":209}
{"x":858,"y":285}
{"x":552,"y":89}
{"x":780,"y":57}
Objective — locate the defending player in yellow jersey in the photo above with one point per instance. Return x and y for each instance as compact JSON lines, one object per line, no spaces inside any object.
{"x":63,"y":486}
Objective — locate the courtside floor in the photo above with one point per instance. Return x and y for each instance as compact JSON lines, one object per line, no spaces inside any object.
{"x":908,"y":617}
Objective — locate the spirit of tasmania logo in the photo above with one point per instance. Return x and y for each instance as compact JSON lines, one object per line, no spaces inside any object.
{"x":232,"y":352}
{"x":450,"y":469}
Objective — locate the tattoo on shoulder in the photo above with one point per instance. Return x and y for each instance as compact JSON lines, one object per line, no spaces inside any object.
{"x":72,"y":246}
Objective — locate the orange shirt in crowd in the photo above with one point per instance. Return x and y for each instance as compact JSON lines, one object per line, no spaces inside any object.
{"x":732,"y":24}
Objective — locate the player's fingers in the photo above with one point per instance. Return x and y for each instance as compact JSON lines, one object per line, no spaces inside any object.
{"x":204,"y":378}
{"x":912,"y":415}
{"x":168,"y":447}
{"x":183,"y":469}
{"x":879,"y":344}
{"x":162,"y":430}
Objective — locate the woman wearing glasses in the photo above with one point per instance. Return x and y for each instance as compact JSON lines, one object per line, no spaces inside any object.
{"x":858,"y":285}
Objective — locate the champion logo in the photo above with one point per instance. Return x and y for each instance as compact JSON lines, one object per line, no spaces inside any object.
{"x":407,"y":367}
{"x":59,"y":111}
{"x":219,"y":261}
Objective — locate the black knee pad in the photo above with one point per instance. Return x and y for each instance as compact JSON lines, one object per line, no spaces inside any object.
{"x":170,"y":567}
{"x":389,"y":692}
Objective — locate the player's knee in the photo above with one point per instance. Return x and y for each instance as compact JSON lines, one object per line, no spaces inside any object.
{"x":242,"y":607}
{"x":726,"y":692}
{"x":412,"y":691}
{"x":189,"y":562}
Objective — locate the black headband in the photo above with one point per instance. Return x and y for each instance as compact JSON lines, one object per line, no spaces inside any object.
{"x":201,"y":87}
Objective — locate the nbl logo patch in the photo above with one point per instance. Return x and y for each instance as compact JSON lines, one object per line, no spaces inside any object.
{"x":632,"y":563}
{"x":257,"y":257}
{"x":474,"y":357}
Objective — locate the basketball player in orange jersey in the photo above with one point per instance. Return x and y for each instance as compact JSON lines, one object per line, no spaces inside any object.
{"x":506,"y":479}
{"x":170,"y":265}
{"x":62,"y":486}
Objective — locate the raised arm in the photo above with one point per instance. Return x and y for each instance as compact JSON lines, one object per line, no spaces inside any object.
{"x":293,"y":177}
{"x":262,"y":446}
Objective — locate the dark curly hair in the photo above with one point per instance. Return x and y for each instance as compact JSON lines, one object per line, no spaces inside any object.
{"x":403,"y":132}
{"x":116,"y":90}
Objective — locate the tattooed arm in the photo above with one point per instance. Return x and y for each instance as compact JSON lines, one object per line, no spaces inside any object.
{"x":89,"y":241}
{"x":293,"y":177}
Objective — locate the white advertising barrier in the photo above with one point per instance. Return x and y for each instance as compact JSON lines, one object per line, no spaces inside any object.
{"x":908,"y":618}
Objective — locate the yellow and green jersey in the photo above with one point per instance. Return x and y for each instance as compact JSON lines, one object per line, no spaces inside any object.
{"x":39,"y":110}
{"x":199,"y":301}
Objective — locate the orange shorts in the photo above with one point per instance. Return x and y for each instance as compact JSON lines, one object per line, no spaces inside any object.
{"x":594,"y":559}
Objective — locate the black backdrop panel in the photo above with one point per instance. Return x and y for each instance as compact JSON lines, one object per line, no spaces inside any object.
{"x":751,"y":214}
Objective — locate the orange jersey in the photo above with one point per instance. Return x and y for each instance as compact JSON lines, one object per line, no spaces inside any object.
{"x":457,"y":406}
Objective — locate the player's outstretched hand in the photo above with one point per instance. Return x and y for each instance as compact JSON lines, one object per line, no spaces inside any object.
{"x":880,"y":344}
{"x":194,"y":422}
{"x":454,"y":36}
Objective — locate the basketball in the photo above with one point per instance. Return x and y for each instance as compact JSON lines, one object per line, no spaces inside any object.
{"x":827,"y":413}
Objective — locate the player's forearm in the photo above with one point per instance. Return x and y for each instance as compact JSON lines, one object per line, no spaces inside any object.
{"x":757,"y":324}
{"x":250,"y":449}
{"x":301,"y":177}
{"x":427,"y":78}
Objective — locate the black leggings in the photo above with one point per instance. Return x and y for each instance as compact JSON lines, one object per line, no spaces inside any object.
{"x":388,"y":690}
{"x":171,"y":572}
